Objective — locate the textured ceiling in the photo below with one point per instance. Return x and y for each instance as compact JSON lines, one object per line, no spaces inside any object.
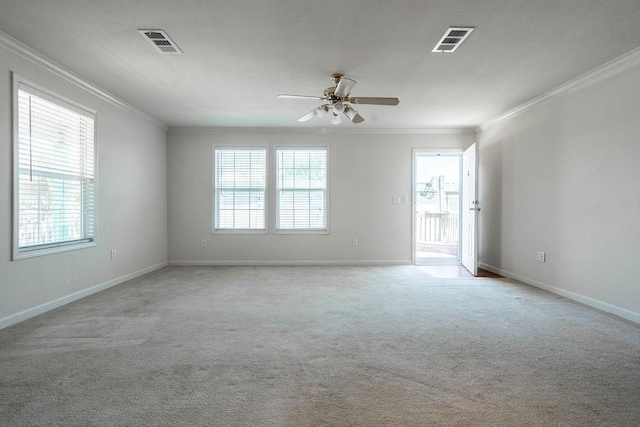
{"x":240,"y":54}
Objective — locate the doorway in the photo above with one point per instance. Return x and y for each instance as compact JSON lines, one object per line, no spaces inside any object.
{"x":437,"y":203}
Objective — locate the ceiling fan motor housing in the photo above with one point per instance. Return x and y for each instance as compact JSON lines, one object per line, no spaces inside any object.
{"x":330,"y":94}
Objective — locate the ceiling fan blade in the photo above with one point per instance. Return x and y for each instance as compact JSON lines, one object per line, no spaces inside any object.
{"x":353,"y":115}
{"x":375,"y":101}
{"x":317,"y":98}
{"x":344,"y":87}
{"x":307,"y":116}
{"x":320,"y":111}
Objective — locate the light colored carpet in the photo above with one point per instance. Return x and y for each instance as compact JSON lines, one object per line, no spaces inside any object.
{"x":320,"y":346}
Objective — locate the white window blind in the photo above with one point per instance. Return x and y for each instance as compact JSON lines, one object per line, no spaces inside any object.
{"x":54,"y":171}
{"x":240,"y":181}
{"x":301,"y":189}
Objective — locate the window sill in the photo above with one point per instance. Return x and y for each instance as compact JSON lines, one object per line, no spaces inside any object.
{"x":238,"y":232}
{"x":50,"y":251}
{"x":310,"y":232}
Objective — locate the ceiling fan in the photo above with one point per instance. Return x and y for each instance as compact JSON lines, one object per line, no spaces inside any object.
{"x":338,"y":98}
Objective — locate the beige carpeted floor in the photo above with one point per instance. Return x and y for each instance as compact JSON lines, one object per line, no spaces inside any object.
{"x":320,"y":346}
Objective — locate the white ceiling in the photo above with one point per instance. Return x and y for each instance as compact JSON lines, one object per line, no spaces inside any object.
{"x":240,"y":54}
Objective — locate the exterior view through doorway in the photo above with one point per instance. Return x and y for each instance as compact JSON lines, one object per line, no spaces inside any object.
{"x":437,"y":203}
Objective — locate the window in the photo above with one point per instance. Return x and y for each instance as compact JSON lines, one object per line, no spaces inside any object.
{"x":301,"y":189}
{"x":240,"y":181}
{"x":54,"y":181}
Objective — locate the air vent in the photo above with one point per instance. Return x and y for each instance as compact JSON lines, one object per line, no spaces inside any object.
{"x":161,"y":41}
{"x":452,"y":39}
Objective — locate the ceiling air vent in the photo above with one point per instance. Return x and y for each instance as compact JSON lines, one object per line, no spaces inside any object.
{"x":160,"y":40}
{"x":452,"y":38}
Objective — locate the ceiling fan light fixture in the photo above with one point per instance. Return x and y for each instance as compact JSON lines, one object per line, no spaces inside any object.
{"x":323,"y":111}
{"x":338,"y":101}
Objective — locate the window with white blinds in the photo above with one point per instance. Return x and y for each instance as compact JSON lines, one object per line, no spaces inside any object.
{"x":301,"y":189}
{"x":240,"y":182}
{"x":54,"y":174}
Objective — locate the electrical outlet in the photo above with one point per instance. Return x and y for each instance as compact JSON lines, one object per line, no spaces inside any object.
{"x":540,"y":256}
{"x":203,"y":243}
{"x":355,"y":242}
{"x":114,"y":254}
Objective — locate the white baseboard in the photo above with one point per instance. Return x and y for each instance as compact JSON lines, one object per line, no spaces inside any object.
{"x":591,"y":302}
{"x":289,"y":263}
{"x":43,"y":308}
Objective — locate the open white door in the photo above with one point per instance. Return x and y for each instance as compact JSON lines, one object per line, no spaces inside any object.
{"x":470,"y":210}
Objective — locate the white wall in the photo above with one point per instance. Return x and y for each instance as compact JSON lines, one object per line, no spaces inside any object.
{"x":563,"y":178}
{"x":366,"y":170}
{"x":132,"y":203}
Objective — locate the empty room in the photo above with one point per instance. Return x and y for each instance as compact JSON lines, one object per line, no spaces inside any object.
{"x":319,"y":213}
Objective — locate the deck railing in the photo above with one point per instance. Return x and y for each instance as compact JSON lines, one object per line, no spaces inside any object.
{"x":437,"y":227}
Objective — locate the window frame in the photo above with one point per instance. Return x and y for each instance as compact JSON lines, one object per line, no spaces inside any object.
{"x":48,"y":95}
{"x":215,"y":230}
{"x":274,"y":174}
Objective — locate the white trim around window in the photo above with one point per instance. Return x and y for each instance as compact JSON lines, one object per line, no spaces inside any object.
{"x":271,"y":198}
{"x":311,"y":188}
{"x":240,"y":189}
{"x":54,"y":172}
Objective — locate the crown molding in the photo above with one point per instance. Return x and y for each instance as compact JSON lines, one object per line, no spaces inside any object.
{"x":321,"y":131}
{"x":587,"y":79}
{"x":50,"y":65}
